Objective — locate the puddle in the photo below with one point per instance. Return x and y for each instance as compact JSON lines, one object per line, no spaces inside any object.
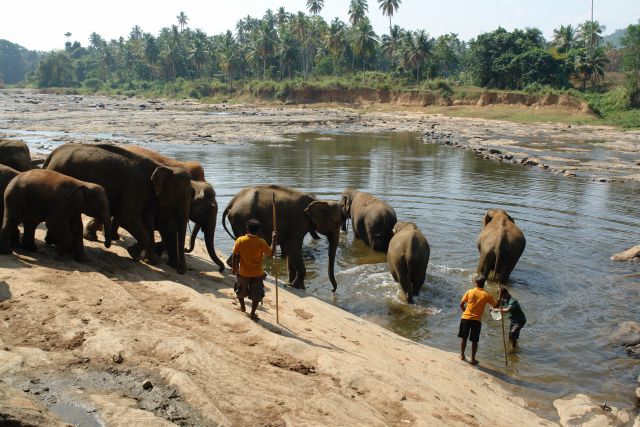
{"x":76,"y":415}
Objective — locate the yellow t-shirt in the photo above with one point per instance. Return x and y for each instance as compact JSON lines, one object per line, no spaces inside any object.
{"x":251,"y":249}
{"x":476,"y":299}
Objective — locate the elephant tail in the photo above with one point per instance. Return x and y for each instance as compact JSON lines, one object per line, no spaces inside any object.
{"x":224,"y":221}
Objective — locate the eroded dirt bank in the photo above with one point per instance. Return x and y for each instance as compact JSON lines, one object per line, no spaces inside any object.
{"x":599,"y":153}
{"x":85,"y":339}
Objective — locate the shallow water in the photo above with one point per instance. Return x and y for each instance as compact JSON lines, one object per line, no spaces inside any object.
{"x":573,"y":296}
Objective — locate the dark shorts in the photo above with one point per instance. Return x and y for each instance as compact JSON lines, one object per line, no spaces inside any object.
{"x":251,"y":287}
{"x":470,"y":329}
{"x":514,"y":330}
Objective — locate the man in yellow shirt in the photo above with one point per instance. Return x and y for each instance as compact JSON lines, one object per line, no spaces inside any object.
{"x":475,"y":300}
{"x":248,"y":253}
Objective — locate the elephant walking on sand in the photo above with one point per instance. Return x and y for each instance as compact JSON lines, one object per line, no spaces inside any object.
{"x":372,"y":219}
{"x":141,"y":192}
{"x":203,"y":210}
{"x":297,"y":214}
{"x":500,"y":244}
{"x":408,"y":257}
{"x":44,"y":195}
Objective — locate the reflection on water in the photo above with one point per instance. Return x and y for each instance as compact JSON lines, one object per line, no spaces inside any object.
{"x":572,"y":294}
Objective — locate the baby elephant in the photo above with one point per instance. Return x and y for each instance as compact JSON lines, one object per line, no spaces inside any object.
{"x":407,"y":257}
{"x":44,"y":195}
{"x":371,"y":218}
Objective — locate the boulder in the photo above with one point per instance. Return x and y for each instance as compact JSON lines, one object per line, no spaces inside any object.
{"x":582,"y":410}
{"x":628,"y":255}
{"x":628,"y":334}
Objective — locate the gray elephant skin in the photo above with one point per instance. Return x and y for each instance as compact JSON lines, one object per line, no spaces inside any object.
{"x":59,"y":200}
{"x":142,"y":194}
{"x":204,"y":207}
{"x":15,"y":154}
{"x":6,"y":175}
{"x":372,"y":219}
{"x":408,"y":257}
{"x":298,"y":213}
{"x":500,"y":243}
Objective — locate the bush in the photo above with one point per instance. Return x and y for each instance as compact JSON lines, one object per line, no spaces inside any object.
{"x":93,"y":84}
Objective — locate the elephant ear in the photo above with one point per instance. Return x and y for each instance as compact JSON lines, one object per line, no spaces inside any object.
{"x":488,"y":217}
{"x":345,"y":204}
{"x":511,"y":219}
{"x":159,"y":177}
{"x":325,"y":215}
{"x":76,"y":197}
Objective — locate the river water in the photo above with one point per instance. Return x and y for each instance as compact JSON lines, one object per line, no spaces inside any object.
{"x":573,"y":296}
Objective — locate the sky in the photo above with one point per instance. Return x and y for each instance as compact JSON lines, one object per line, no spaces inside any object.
{"x":41,"y":24}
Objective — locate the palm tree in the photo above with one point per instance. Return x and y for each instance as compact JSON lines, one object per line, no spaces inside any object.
{"x":315,"y":6}
{"x":357,"y":10}
{"x":389,"y":7}
{"x":335,"y":41}
{"x":564,"y":38}
{"x":417,"y":48}
{"x":590,"y":34}
{"x":589,"y":65}
{"x":363,"y":40}
{"x":182,"y":20}
{"x":136,"y":33}
{"x":390,"y":44}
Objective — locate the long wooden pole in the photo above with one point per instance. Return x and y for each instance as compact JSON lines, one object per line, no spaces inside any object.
{"x":504,"y":342}
{"x":275,"y":259}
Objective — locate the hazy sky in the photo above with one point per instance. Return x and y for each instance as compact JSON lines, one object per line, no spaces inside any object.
{"x":41,"y":24}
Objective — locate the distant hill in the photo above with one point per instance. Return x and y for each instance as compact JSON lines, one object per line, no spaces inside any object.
{"x":615,"y":37}
{"x":16,"y":62}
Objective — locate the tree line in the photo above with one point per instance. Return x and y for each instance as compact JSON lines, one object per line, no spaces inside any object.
{"x":282,"y":45}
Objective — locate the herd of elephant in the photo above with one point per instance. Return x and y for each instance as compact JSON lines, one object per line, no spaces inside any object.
{"x":142,"y":191}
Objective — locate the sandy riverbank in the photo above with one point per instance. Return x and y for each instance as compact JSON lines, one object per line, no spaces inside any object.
{"x":599,"y":153}
{"x":65,"y":326}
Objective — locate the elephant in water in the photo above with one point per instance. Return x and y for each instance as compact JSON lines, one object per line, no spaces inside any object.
{"x":204,"y":207}
{"x":44,"y":195}
{"x":372,"y":219}
{"x":297,"y":214}
{"x":15,"y":154}
{"x":141,"y":192}
{"x":408,"y":257}
{"x":500,"y":244}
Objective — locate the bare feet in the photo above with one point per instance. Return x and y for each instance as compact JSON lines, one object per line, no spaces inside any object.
{"x":254,"y":317}
{"x":463,"y":358}
{"x":474,"y":362}
{"x":242,"y":309}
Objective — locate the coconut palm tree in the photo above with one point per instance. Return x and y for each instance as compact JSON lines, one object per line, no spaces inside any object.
{"x":590,"y":34}
{"x":589,"y":65}
{"x":363,"y":40}
{"x":335,"y":40}
{"x":315,"y":6}
{"x":389,"y":7}
{"x":182,"y":20}
{"x":564,"y":38}
{"x":417,"y":47}
{"x":357,"y":10}
{"x":390,"y":44}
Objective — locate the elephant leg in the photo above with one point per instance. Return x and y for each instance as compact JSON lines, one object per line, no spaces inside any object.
{"x":486,"y":263}
{"x":160,"y":248}
{"x":137,"y":230}
{"x":77,"y":244}
{"x":15,"y":239}
{"x":114,"y":229}
{"x":295,"y":262}
{"x":8,"y":232}
{"x":417,"y":279}
{"x":90,"y":231}
{"x":28,"y":235}
{"x":59,"y":225}
{"x":405,"y":281}
{"x":50,"y":238}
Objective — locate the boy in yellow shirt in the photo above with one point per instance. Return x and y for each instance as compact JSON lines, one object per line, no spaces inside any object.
{"x":476,"y":300}
{"x":248,"y":256}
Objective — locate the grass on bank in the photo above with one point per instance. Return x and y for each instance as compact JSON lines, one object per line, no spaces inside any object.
{"x":611,"y":107}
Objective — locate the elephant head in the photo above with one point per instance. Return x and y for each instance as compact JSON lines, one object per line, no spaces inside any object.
{"x":93,"y":202}
{"x":204,"y":213}
{"x":402,"y":225}
{"x":172,"y":187}
{"x":345,"y":208}
{"x":495,"y":214}
{"x":327,"y":217}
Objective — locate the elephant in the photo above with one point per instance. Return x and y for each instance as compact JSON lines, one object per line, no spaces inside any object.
{"x":15,"y":154}
{"x":500,"y":244}
{"x":59,"y":200}
{"x":6,"y":175}
{"x":204,"y":207}
{"x":298,"y":213}
{"x":372,"y":219}
{"x":142,"y":194}
{"x":408,"y":257}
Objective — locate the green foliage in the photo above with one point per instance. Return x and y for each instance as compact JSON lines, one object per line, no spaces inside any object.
{"x":56,"y":70}
{"x":93,"y":84}
{"x":631,"y":48}
{"x":16,"y":62}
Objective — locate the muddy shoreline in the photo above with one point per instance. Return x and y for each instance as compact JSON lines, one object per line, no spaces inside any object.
{"x":593,"y":152}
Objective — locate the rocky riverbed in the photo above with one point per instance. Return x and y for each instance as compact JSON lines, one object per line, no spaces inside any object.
{"x":598,"y":153}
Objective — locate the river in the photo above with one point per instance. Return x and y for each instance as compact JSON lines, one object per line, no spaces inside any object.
{"x":573,"y":296}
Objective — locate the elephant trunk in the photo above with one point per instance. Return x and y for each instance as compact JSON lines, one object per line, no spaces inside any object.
{"x":333,"y":247}
{"x":209,"y":233}
{"x":192,"y":239}
{"x":107,"y":229}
